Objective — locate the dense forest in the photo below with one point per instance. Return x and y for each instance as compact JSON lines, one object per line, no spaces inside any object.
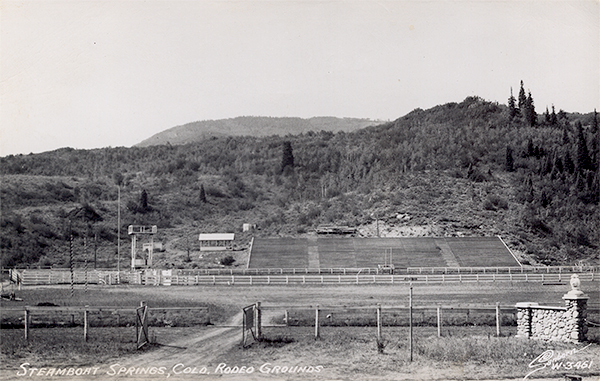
{"x":472,"y":168}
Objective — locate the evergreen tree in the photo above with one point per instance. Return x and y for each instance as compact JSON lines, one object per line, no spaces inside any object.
{"x":530,"y":115}
{"x":144,"y":201}
{"x":547,"y":117}
{"x":118,"y":178}
{"x":583,"y":160}
{"x":565,"y":138}
{"x":563,"y":115}
{"x":510,"y":161}
{"x":202,"y":194}
{"x":553,"y":118}
{"x":569,"y":166}
{"x":287,"y":159}
{"x":558,"y":164}
{"x":522,"y":97}
{"x":512,"y":109}
{"x":530,"y":148}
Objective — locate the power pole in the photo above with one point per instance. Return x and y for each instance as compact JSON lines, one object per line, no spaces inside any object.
{"x":119,"y":233}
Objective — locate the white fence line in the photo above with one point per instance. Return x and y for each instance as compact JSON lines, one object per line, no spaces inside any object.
{"x":103,"y":277}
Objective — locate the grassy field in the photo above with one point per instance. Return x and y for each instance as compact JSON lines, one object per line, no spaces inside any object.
{"x":463,"y":353}
{"x":473,"y":348}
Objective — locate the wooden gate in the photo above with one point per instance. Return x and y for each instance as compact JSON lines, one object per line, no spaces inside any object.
{"x":141,"y":325}
{"x":251,"y":322}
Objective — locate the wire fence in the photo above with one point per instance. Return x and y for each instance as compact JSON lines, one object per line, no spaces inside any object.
{"x":295,"y":322}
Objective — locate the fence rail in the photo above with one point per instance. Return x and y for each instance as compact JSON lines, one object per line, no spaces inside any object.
{"x":47,"y":313}
{"x":156,"y":278}
{"x":347,"y":270}
{"x":373,"y":315}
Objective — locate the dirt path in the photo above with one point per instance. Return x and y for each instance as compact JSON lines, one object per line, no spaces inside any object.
{"x":198,"y":350}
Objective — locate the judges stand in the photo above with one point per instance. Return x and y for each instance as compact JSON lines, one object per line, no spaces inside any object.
{"x":141,"y":232}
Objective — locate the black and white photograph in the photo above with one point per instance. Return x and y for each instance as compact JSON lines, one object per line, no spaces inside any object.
{"x":302,"y":190}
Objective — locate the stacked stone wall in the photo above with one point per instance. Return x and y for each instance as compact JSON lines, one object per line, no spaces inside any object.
{"x":566,"y":324}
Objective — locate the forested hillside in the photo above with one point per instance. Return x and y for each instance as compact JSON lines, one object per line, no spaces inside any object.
{"x":472,"y":168}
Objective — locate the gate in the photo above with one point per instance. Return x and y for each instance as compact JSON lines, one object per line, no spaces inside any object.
{"x":251,"y":322}
{"x":141,"y":325}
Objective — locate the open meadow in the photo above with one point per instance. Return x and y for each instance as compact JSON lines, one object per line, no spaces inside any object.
{"x":347,"y":347}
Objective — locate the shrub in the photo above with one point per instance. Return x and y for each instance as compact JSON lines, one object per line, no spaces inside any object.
{"x":495,"y":202}
{"x":227,"y":261}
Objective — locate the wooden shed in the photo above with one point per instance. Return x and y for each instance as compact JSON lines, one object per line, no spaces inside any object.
{"x":216,"y":241}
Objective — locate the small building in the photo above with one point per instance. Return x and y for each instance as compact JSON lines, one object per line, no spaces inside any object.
{"x":337,"y":230}
{"x":216,"y":241}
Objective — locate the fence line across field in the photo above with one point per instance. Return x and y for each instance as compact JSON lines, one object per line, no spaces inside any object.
{"x":252,"y":323}
{"x":167,"y":278}
{"x":378,"y":311}
{"x":141,"y":312}
{"x":353,"y":270}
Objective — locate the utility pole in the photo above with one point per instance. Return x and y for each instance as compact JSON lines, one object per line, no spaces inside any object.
{"x":119,"y":233}
{"x":410,"y":322}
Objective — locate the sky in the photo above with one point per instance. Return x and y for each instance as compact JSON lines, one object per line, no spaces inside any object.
{"x":90,"y":74}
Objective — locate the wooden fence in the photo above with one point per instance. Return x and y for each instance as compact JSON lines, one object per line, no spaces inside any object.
{"x":380,"y":312}
{"x":44,"y":312}
{"x":179,"y":278}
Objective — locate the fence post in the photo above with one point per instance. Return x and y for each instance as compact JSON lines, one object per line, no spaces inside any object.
{"x":26,"y":324}
{"x":257,"y":322}
{"x":498,"y":333}
{"x":287,"y":318}
{"x":243,"y":329}
{"x":378,"y":322}
{"x":85,"y":324}
{"x":317,"y":334}
{"x":439,"y":321}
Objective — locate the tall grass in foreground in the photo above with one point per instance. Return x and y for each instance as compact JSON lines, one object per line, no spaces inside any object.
{"x":477,"y":349}
{"x":51,"y":346}
{"x":472,"y":352}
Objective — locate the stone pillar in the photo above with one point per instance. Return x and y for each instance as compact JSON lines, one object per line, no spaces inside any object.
{"x":576,"y":314}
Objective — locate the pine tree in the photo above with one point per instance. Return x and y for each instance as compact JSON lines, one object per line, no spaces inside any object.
{"x":583,"y":160}
{"x":512,"y":109}
{"x":569,"y":166}
{"x":522,"y":98}
{"x":530,"y":148}
{"x":553,"y":118}
{"x":547,"y":117}
{"x":202,"y":194}
{"x":510,"y":161}
{"x":565,"y":138}
{"x":287,"y":158}
{"x":530,"y":115}
{"x":144,"y":201}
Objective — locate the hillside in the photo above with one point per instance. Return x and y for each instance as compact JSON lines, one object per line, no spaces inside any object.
{"x":252,"y":126}
{"x":459,"y":169}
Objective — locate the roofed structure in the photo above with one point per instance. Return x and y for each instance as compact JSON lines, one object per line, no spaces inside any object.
{"x":216,"y":241}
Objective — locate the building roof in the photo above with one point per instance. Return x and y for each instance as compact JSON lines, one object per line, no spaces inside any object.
{"x":217,"y":237}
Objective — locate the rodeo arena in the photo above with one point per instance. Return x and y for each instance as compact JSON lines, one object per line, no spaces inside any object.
{"x":332,"y":256}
